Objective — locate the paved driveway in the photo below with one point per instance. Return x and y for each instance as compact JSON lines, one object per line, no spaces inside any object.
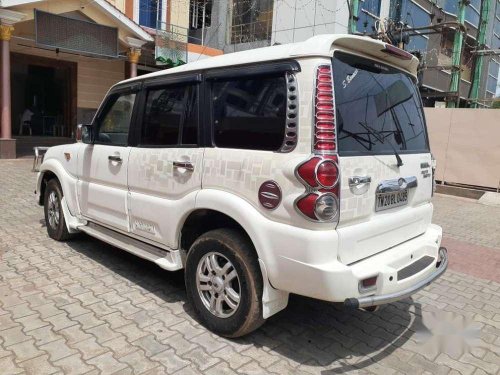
{"x":86,"y":307}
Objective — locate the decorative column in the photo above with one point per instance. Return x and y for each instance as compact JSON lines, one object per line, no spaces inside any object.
{"x":134,"y":53}
{"x":7,"y":145}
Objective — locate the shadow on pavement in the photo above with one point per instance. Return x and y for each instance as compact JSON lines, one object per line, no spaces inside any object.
{"x":309,"y":332}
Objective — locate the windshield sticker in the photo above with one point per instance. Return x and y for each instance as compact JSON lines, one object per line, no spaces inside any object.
{"x":349,"y":78}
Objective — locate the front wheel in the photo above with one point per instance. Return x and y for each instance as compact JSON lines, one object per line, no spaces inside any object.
{"x":54,"y":216}
{"x":224,"y":283}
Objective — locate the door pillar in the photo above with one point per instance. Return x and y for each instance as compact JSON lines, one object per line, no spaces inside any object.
{"x":7,"y":145}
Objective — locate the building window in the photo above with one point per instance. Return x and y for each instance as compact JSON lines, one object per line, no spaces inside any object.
{"x":451,"y":6}
{"x":252,"y":21}
{"x":472,"y":12}
{"x":415,"y":16}
{"x":150,"y":13}
{"x":200,"y":10}
{"x":249,"y":113}
{"x":493,"y":72}
{"x":366,"y":22}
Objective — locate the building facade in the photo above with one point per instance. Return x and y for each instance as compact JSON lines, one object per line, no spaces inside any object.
{"x":436,"y":48}
{"x":60,"y":57}
{"x":58,"y":60}
{"x":236,"y":25}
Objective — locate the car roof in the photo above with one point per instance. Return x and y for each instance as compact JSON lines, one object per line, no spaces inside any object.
{"x":317,"y":46}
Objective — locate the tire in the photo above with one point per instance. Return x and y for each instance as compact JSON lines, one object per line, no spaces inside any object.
{"x":54,"y":216}
{"x":242,"y":275}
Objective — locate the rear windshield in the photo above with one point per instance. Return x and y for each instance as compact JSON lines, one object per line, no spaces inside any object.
{"x":378,"y":108}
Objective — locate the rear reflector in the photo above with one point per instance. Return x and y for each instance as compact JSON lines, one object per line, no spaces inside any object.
{"x":368,"y":284}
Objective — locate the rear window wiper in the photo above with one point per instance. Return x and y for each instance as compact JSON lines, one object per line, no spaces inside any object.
{"x":381,"y":139}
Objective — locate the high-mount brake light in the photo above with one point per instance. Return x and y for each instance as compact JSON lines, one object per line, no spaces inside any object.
{"x":320,"y":173}
{"x":397,"y":52}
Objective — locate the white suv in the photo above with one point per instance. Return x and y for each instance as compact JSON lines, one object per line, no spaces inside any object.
{"x":301,"y":168}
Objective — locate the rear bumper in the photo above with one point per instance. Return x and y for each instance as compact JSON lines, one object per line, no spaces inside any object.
{"x":441,"y":266}
{"x":316,"y":272}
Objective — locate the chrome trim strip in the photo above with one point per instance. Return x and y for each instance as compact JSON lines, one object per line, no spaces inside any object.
{"x":397,"y":184}
{"x":392,"y":297}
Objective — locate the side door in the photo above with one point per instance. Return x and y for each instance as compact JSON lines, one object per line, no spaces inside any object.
{"x":102,"y":186}
{"x":165,"y":167}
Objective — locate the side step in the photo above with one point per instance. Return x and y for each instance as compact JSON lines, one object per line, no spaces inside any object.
{"x":169,"y":260}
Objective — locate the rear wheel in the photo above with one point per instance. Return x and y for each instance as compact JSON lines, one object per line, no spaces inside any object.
{"x":54,"y":216}
{"x":224,"y":283}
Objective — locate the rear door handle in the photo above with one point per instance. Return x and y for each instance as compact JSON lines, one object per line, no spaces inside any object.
{"x":116,"y":158}
{"x":359,"y":180}
{"x":183,"y":164}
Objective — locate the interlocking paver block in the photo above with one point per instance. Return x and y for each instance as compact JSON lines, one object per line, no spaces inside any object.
{"x":94,"y":305}
{"x":120,"y":347}
{"x":103,"y":333}
{"x":139,"y":362}
{"x":73,"y":365}
{"x":39,"y":366}
{"x":58,"y":349}
{"x":170,"y":360}
{"x":89,"y":348}
{"x":107,"y":364}
{"x":201,"y":359}
{"x":150,"y":345}
{"x":8,"y":365}
{"x":25,"y":350}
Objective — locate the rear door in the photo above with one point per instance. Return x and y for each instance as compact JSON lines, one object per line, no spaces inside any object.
{"x":384,"y":157}
{"x":165,"y":166}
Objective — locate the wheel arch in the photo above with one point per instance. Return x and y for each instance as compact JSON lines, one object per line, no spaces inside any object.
{"x":239,"y":213}
{"x":53,"y":169}
{"x":203,"y":220}
{"x":45,"y":177}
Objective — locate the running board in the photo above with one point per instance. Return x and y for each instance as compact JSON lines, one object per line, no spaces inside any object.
{"x":168,"y":260}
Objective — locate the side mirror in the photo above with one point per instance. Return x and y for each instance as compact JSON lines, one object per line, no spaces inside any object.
{"x":84,"y":133}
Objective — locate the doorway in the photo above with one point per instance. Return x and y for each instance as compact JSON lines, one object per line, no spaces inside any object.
{"x":43,"y":96}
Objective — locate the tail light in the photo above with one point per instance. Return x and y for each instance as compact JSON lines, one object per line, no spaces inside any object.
{"x":320,"y":173}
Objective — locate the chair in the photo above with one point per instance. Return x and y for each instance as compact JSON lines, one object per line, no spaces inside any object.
{"x":59,"y":126}
{"x":25,"y":121}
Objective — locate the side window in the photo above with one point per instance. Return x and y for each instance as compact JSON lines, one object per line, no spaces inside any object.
{"x":249,"y":113}
{"x":115,"y":123}
{"x":170,"y":116}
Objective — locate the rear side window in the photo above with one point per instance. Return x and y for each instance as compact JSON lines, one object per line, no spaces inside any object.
{"x":170,"y":116}
{"x":378,"y":108}
{"x":250,"y":112}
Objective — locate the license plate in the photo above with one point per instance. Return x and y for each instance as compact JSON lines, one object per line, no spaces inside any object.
{"x":390,"y":200}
